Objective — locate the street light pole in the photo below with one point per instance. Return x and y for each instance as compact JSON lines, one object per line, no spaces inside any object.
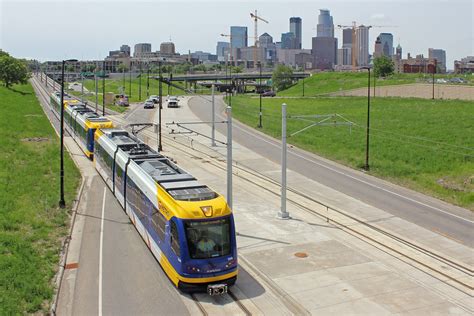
{"x":140,"y":84}
{"x":62,"y":203}
{"x":103,"y":88}
{"x":366,"y":167}
{"x":160,"y":147}
{"x":433,"y":73}
{"x":304,"y":66}
{"x":260,"y":113}
{"x":130,"y":82}
{"x":147,"y":80}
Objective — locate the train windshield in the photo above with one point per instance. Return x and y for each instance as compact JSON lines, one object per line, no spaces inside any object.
{"x":208,"y":239}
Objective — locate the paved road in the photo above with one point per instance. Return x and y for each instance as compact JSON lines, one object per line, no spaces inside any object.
{"x":451,"y":221}
{"x":121,"y":275}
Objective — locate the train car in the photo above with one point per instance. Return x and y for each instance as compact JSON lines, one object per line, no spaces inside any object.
{"x":188,"y":227}
{"x":81,"y":121}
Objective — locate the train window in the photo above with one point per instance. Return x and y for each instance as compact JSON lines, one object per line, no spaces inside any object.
{"x":208,"y":239}
{"x":174,"y":238}
{"x":158,"y":222}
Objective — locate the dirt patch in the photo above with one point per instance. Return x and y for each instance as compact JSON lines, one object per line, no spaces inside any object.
{"x":35,"y":139}
{"x":418,"y":90}
{"x":461,"y":185}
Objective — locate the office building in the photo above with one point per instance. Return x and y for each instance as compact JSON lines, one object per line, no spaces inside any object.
{"x":344,"y":56}
{"x":238,"y":36}
{"x":288,"y":40}
{"x":378,"y":50}
{"x":289,"y":56}
{"x":362,"y":46}
{"x":141,"y":49}
{"x":265,"y":40}
{"x":324,"y":50}
{"x":440,"y":56}
{"x":222,"y":50}
{"x":347,"y":36}
{"x":419,"y":64}
{"x":295,"y":28}
{"x":167,"y":48}
{"x":325,"y":27}
{"x":464,"y":66}
{"x":126,"y":50}
{"x":387,"y":43}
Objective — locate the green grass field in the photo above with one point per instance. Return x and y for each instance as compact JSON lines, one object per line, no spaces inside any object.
{"x":327,"y":82}
{"x":31,"y":224}
{"x":422,"y":144}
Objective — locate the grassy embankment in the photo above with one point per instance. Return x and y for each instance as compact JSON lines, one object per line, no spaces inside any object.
{"x":326,"y":82}
{"x":422,"y":144}
{"x":31,"y":224}
{"x":115,"y":86}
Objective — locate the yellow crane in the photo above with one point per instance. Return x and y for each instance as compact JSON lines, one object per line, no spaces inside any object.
{"x":255,"y":17}
{"x":354,"y":27}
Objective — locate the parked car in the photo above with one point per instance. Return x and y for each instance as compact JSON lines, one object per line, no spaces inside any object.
{"x":269,"y":93}
{"x":149,"y":104}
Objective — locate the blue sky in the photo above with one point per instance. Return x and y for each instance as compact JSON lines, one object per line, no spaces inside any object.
{"x":53,"y":30}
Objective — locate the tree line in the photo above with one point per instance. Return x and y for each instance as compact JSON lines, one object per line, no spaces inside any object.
{"x":13,"y":70}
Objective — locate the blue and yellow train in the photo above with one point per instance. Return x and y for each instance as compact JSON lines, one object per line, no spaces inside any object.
{"x":187,"y":226}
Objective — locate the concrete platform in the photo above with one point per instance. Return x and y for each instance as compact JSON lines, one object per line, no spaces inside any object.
{"x":340,"y":274}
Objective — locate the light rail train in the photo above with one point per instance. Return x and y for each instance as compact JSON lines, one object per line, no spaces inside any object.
{"x":187,"y":226}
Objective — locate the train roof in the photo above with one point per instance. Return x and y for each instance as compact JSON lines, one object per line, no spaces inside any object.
{"x":176,"y":181}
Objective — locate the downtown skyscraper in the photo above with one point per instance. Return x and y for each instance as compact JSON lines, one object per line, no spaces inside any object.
{"x":324,"y":45}
{"x":295,"y":28}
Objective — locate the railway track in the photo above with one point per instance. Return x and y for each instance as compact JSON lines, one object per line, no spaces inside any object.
{"x":447,"y":270}
{"x":207,"y":304}
{"x":452,"y":272}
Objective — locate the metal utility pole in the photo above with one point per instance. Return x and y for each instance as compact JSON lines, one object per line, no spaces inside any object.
{"x":140,"y":84}
{"x":147,"y":80}
{"x":213,"y":135}
{"x":304,"y":66}
{"x":160,"y":147}
{"x":103,"y":88}
{"x":283,"y":214}
{"x":260,"y":113}
{"x":82,"y":87}
{"x":366,"y":167}
{"x":62,"y":203}
{"x":130,"y":82}
{"x":229,"y":155}
{"x":96,"y":91}
{"x":123,"y":79}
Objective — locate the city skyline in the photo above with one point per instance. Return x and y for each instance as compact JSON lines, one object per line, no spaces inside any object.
{"x":455,"y":37}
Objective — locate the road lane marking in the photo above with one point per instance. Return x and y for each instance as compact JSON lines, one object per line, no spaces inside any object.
{"x":100,"y":251}
{"x":354,"y":178}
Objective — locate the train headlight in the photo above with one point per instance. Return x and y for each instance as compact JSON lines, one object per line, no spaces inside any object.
{"x":192,"y":269}
{"x":231,"y":263}
{"x":207,"y":210}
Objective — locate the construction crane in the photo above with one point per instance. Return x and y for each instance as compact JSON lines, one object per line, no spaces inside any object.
{"x":354,"y":27}
{"x":255,"y":17}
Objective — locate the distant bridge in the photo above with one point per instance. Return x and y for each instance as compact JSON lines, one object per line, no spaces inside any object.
{"x":234,"y":76}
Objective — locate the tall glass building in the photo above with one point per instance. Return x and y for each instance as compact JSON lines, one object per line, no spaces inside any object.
{"x":239,"y":36}
{"x":387,"y":43}
{"x":295,"y":28}
{"x":325,"y":27}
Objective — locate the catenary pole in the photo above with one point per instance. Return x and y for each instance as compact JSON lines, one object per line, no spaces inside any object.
{"x":229,"y":155}
{"x":213,"y":142}
{"x":283,"y":214}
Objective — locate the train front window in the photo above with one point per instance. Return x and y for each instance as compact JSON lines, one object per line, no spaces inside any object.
{"x":208,"y":239}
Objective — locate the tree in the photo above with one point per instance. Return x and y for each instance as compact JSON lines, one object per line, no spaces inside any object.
{"x":236,"y":69}
{"x":281,"y":77}
{"x":383,"y":66}
{"x":12,"y":70}
{"x":122,"y":68}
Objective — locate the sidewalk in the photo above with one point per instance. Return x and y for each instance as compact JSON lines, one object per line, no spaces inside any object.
{"x":314,"y":265}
